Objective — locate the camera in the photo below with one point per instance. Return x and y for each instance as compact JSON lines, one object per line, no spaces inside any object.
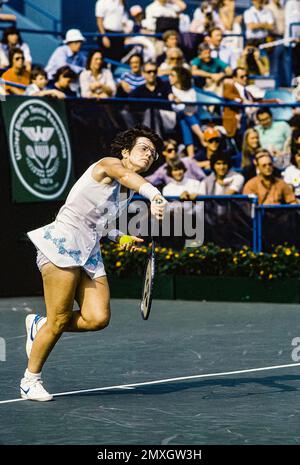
{"x":251,"y":51}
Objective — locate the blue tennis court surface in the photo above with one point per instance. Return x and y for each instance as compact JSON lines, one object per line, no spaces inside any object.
{"x":180,"y":340}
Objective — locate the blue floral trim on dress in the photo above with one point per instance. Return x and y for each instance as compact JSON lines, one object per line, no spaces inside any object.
{"x":59,"y":243}
{"x":94,"y":260}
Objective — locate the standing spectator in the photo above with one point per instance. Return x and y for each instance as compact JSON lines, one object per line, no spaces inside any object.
{"x":274,"y":136}
{"x":171,"y":40}
{"x":291,"y":174}
{"x":204,"y":19}
{"x":68,"y":54}
{"x":250,"y":145}
{"x":111,"y":17}
{"x":132,"y":79}
{"x":181,"y":185}
{"x":137,"y":14}
{"x":154,"y":87}
{"x":170,"y":153}
{"x":12,"y":39}
{"x":38,"y":86}
{"x":253,"y":62}
{"x":222,"y":180}
{"x":259,"y":22}
{"x":277,"y":55}
{"x":269,"y":189}
{"x":219,"y":50}
{"x":96,"y":81}
{"x":235,"y":90}
{"x":292,"y":15}
{"x":142,"y":45}
{"x":17,"y":72}
{"x":162,"y":9}
{"x":174,"y":58}
{"x":182,"y":91}
{"x":211,"y":70}
{"x":62,"y":81}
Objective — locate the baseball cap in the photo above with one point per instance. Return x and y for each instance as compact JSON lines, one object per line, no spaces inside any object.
{"x":211,"y":133}
{"x":135,"y":10}
{"x":74,"y":35}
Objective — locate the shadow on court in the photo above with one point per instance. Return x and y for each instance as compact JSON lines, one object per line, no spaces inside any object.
{"x":180,"y":340}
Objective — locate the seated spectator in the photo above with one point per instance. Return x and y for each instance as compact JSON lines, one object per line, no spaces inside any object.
{"x":269,"y":189}
{"x":220,"y":50}
{"x":62,"y":81}
{"x":222,"y":180}
{"x":259,"y":21}
{"x":252,"y":61}
{"x":274,"y":136}
{"x":174,"y":58}
{"x":162,"y":9}
{"x":38,"y":86}
{"x":212,"y":141}
{"x":154,"y":87}
{"x":211,"y":70}
{"x":12,"y":39}
{"x":181,"y":186}
{"x":3,"y":60}
{"x":137,"y":14}
{"x":252,"y":170}
{"x":68,"y":54}
{"x":291,"y":174}
{"x":160,"y":176}
{"x":132,"y":79}
{"x":142,"y":45}
{"x":204,"y":19}
{"x":171,"y":40}
{"x":96,"y":81}
{"x":16,"y":73}
{"x":235,"y":90}
{"x":182,"y":91}
{"x":250,"y":145}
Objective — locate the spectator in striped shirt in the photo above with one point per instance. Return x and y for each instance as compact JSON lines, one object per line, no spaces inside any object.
{"x":132,"y":79}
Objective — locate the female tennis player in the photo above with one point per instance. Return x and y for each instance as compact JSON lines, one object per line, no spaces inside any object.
{"x":68,"y":251}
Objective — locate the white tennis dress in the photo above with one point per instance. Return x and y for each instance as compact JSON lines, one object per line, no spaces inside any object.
{"x":73,"y":238}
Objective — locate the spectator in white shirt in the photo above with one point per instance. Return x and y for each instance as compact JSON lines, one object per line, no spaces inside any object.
{"x":222,"y":180}
{"x":162,"y":9}
{"x":181,"y":186}
{"x":292,"y":15}
{"x":218,"y":50}
{"x":96,"y":81}
{"x":38,"y":85}
{"x":111,"y":18}
{"x":174,"y":57}
{"x":259,"y":21}
{"x":291,"y":175}
{"x":12,"y":39}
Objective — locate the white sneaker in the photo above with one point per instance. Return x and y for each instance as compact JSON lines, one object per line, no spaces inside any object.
{"x":31,"y":329}
{"x":32,"y":389}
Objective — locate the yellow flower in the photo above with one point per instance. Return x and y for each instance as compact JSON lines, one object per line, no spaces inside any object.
{"x":288,"y":252}
{"x":176,"y":255}
{"x":118,"y":264}
{"x":235,"y":260}
{"x":191,"y":255}
{"x":262,"y":272}
{"x":270,"y":276}
{"x":168,"y":257}
{"x":296,"y":254}
{"x":274,"y":255}
{"x":121,"y":253}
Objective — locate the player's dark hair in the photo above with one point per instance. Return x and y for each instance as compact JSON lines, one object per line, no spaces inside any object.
{"x":126,"y":140}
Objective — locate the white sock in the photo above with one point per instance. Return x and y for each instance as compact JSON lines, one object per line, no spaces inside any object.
{"x":31,"y":376}
{"x":40,"y":323}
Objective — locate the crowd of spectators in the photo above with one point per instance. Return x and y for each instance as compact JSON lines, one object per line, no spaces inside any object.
{"x":231,"y":151}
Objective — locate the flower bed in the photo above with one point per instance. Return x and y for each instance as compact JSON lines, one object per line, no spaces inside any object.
{"x":208,"y":260}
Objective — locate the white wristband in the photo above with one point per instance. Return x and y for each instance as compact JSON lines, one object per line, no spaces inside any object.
{"x":148,"y":191}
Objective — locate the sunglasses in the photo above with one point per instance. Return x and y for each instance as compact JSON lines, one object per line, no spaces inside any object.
{"x":170,"y":150}
{"x":151,"y":71}
{"x":297,"y":147}
{"x":19,"y":58}
{"x":214,"y":139}
{"x":244,"y":76}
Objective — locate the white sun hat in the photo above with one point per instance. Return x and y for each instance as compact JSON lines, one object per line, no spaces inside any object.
{"x":74,"y":35}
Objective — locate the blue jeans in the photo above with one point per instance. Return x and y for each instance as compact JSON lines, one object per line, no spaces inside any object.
{"x":186,"y":122}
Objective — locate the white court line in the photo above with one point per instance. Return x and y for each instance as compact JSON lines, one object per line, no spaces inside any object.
{"x":161,"y":381}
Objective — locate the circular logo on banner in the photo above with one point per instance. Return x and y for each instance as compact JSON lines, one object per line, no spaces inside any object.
{"x":40,"y":149}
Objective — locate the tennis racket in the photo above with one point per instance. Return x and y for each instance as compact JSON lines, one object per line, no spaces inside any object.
{"x":146,"y":300}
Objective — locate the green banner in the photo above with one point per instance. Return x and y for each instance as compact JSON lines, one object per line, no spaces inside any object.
{"x":39,"y":147}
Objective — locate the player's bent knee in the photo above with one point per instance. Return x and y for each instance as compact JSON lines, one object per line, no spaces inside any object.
{"x":99,"y":322}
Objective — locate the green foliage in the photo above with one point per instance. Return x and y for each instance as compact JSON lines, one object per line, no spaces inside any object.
{"x":208,"y":260}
